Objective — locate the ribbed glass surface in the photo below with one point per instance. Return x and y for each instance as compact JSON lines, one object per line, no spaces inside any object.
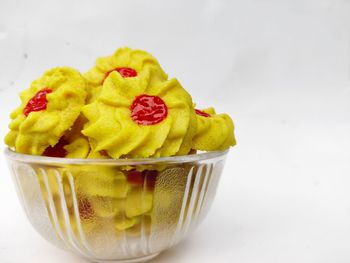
{"x":116,"y":212}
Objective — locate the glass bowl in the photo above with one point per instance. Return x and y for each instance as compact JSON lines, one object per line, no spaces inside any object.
{"x":126,"y":210}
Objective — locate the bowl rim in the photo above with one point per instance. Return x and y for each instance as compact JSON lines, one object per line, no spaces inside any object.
{"x":27,"y":158}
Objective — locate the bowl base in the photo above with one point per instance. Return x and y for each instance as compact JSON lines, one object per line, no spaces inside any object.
{"x":132,"y":260}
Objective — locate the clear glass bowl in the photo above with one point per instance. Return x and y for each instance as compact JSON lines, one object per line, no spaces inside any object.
{"x":116,"y":210}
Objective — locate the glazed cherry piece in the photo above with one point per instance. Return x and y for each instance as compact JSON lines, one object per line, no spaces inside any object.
{"x":136,"y":177}
{"x":147,"y":177}
{"x":151,"y":176}
{"x":148,"y":110}
{"x":38,"y":102}
{"x":57,"y":150}
{"x":124,"y":72}
{"x":202,"y":113}
{"x":104,"y":153}
{"x":85,"y":209}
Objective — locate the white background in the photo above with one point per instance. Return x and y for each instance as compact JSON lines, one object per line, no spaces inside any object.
{"x":279,"y":68}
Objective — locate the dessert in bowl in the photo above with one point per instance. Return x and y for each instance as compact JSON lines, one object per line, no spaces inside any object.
{"x":115,"y":164}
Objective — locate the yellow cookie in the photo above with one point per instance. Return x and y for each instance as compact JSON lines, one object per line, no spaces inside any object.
{"x":214,"y":131}
{"x":100,"y":181}
{"x":129,"y":63}
{"x":139,"y":118}
{"x":49,"y":108}
{"x":138,"y":201}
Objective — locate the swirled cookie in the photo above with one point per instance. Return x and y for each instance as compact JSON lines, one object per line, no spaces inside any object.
{"x":48,"y":109}
{"x":214,"y":131}
{"x":129,"y":63}
{"x":139,"y":118}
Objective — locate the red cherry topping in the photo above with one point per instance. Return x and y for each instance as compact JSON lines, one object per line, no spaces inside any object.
{"x":136,"y":177}
{"x":202,"y":113}
{"x":38,"y":102}
{"x":127,"y":72}
{"x":124,"y":72}
{"x":151,"y":176}
{"x":147,"y":177}
{"x":85,"y":209}
{"x":148,"y":110}
{"x":57,"y":150}
{"x":104,"y":153}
